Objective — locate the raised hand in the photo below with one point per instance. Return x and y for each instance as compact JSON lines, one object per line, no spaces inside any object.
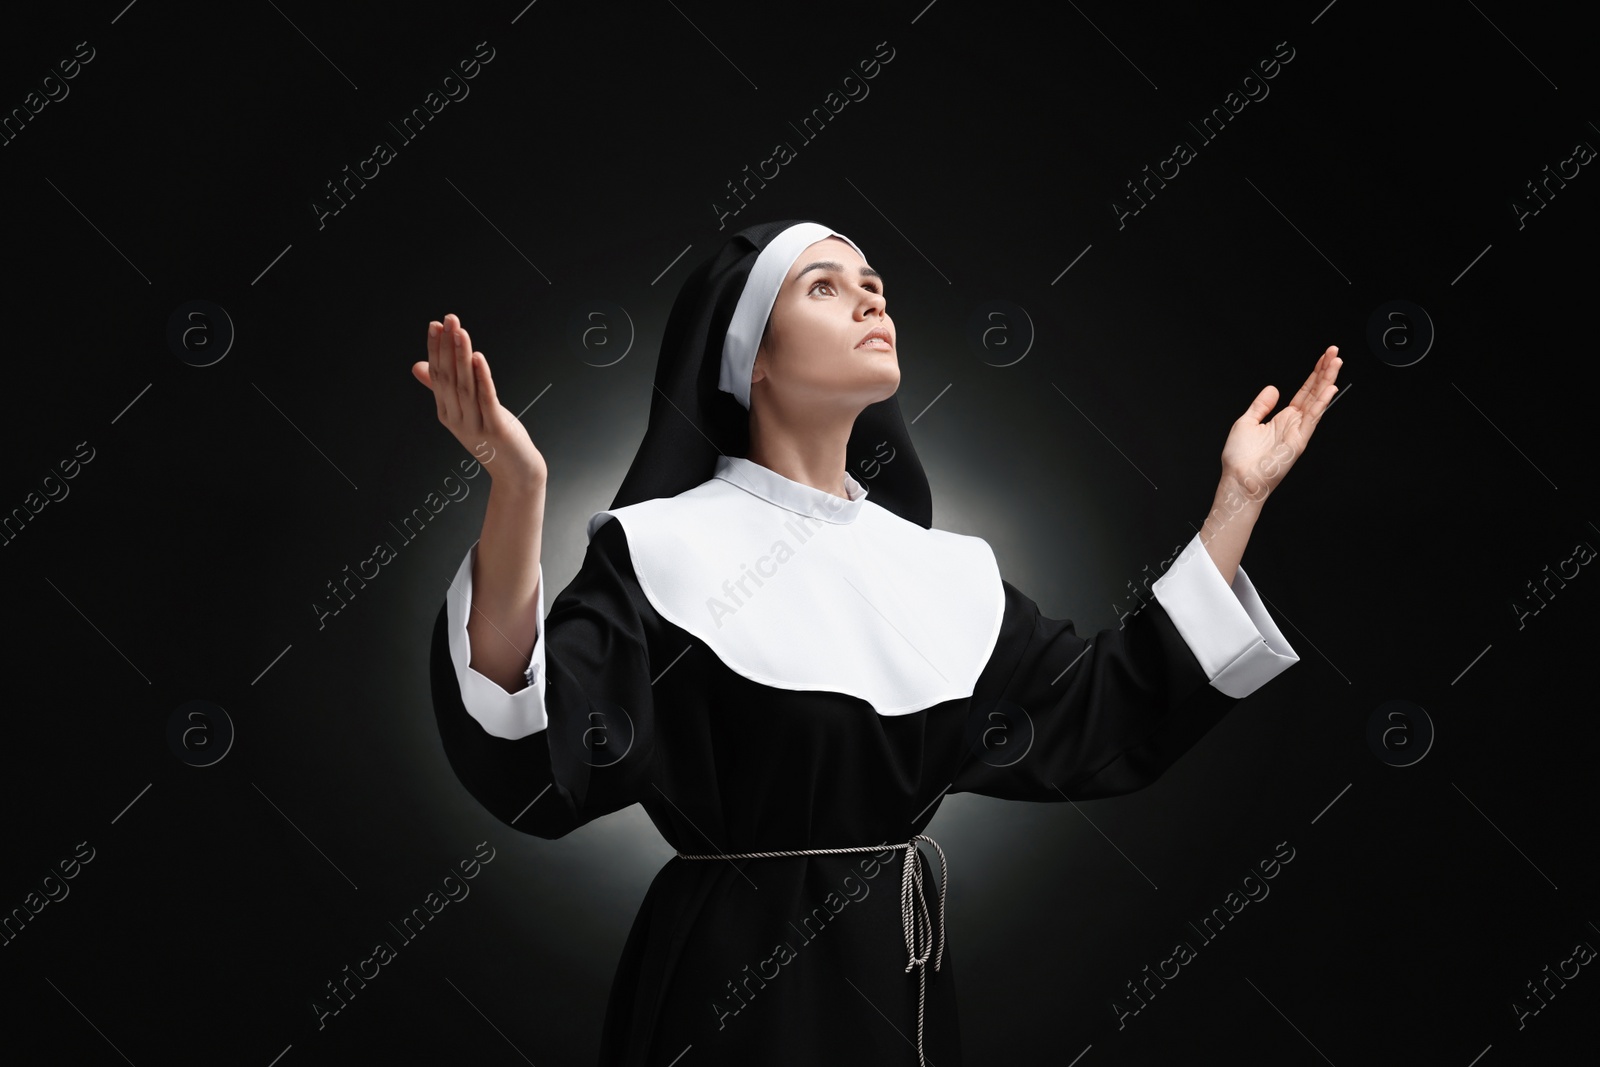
{"x":463,"y":390}
{"x":1258,"y":454}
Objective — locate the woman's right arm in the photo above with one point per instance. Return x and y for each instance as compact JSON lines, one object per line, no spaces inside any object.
{"x":505,"y":584}
{"x":576,"y":743}
{"x":570,"y":740}
{"x":503,"y":624}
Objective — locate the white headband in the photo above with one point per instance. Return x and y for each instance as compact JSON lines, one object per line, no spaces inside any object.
{"x":755,"y":303}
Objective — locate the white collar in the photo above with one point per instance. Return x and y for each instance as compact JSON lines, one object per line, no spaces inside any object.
{"x":798,"y":497}
{"x":796,"y":588}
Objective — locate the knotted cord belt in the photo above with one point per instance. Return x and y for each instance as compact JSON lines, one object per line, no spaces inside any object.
{"x":913,"y":907}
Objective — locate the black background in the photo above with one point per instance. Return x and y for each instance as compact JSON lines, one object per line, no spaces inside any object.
{"x":585,"y":165}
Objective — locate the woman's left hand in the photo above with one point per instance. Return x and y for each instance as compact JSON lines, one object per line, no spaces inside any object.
{"x":1258,"y":454}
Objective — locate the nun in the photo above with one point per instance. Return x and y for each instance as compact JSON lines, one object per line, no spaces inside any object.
{"x":789,"y":672}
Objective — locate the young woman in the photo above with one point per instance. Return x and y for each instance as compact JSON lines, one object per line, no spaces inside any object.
{"x":788,"y":675}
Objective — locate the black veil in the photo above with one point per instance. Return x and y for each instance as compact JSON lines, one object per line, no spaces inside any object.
{"x":693,"y":421}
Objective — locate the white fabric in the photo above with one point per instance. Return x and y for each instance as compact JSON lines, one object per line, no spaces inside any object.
{"x":796,"y":588}
{"x":1225,"y":626}
{"x":847,"y":605}
{"x":760,"y":292}
{"x":501,"y":714}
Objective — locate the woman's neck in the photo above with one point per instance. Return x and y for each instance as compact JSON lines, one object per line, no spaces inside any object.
{"x":819,"y":466}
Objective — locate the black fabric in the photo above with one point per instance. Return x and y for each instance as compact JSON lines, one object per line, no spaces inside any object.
{"x":724,"y":764}
{"x":692,"y":421}
{"x":1124,"y":713}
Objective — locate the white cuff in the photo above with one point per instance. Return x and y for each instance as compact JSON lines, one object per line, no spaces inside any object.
{"x":1226,"y":627}
{"x":501,"y":714}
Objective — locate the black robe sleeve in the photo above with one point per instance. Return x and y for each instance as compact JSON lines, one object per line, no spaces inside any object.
{"x":576,"y":744}
{"x":1057,"y":717}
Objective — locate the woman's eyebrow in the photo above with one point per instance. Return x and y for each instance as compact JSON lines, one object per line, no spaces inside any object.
{"x":828,"y":264}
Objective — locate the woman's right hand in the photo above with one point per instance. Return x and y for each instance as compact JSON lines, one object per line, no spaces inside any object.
{"x":469,"y":408}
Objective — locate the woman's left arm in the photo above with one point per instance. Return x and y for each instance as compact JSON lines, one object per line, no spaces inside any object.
{"x":1057,"y":716}
{"x":1257,"y":455}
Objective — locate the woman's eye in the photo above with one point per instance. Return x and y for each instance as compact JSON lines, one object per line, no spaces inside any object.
{"x":870,"y":286}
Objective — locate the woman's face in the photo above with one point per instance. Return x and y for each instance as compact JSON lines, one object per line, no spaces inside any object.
{"x":813,"y":350}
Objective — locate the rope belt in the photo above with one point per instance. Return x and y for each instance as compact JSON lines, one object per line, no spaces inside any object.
{"x":913,"y":907}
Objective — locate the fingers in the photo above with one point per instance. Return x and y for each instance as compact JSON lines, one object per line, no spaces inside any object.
{"x":1312,"y":384}
{"x":1322,"y":376}
{"x":1262,"y":404}
{"x":1320,"y":402}
{"x":436,"y":371}
{"x":1323,"y":393}
{"x":1324,"y":389}
{"x":488,"y":399}
{"x":441,"y":369}
{"x":462,"y":386}
{"x":466,"y":381}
